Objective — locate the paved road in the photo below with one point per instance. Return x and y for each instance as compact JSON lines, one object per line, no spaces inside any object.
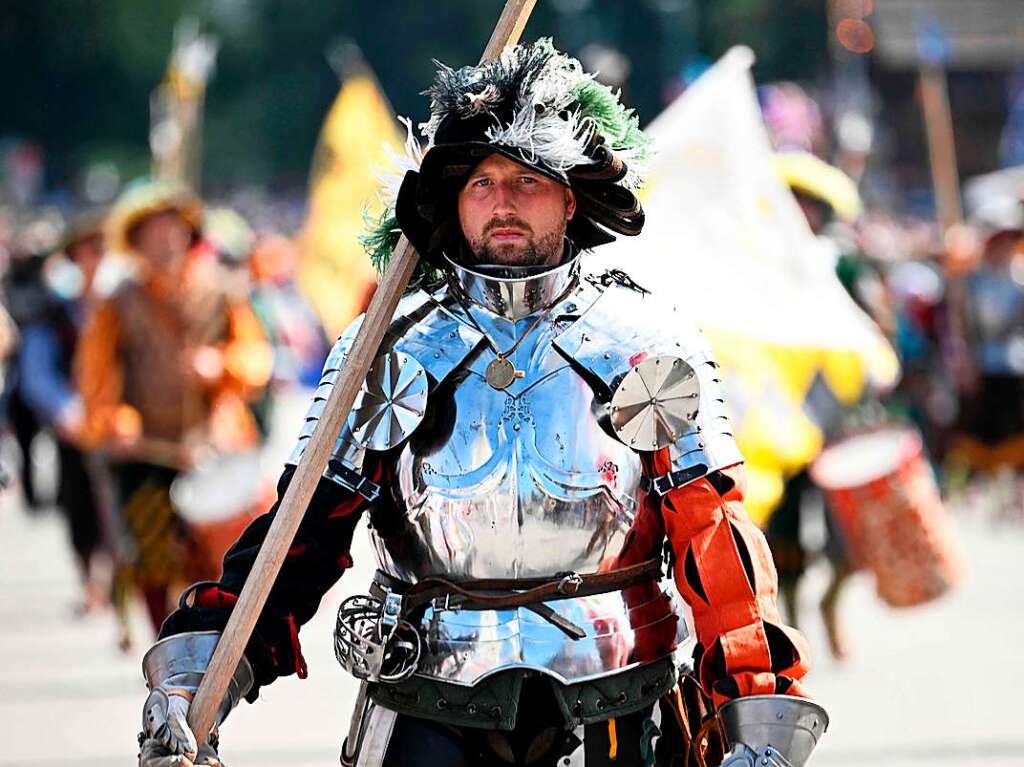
{"x":939,"y":685}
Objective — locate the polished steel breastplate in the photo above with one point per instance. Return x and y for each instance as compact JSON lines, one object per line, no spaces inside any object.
{"x":518,"y":483}
{"x":525,"y":483}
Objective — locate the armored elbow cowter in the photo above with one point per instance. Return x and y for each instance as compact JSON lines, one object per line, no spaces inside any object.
{"x":772,"y":730}
{"x":173,"y":668}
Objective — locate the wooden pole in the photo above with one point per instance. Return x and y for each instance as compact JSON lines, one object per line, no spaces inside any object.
{"x":300,"y":491}
{"x":938,"y":122}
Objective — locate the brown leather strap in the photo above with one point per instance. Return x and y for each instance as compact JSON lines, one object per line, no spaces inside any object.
{"x":508,"y":593}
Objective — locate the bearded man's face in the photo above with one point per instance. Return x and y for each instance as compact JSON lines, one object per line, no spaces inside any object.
{"x":512,"y":215}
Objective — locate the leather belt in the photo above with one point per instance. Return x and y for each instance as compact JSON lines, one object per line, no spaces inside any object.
{"x":509,"y":593}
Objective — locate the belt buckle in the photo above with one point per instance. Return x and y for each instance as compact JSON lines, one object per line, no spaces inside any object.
{"x":664,"y":483}
{"x":570,"y":583}
{"x":445,"y":606}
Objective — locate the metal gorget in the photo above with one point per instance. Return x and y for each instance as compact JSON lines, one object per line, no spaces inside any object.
{"x":521,"y":482}
{"x":517,"y":292}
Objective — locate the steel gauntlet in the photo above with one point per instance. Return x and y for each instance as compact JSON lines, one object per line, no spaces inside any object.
{"x":173,"y":668}
{"x":771,"y":730}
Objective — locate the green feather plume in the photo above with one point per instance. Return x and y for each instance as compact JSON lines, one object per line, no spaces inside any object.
{"x":619,"y":126}
{"x":379,"y":242}
{"x":380,"y":238}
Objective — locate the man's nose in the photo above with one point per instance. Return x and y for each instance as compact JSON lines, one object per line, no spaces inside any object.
{"x":504,"y":199}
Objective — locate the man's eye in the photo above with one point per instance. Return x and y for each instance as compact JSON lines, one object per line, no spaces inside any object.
{"x":482,"y":182}
{"x":527,"y":180}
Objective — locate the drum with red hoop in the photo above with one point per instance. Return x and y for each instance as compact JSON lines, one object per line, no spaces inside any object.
{"x":218,"y":499}
{"x":884,"y":497}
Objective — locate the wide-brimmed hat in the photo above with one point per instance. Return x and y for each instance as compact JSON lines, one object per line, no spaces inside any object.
{"x":804,"y":172}
{"x":536,"y":106}
{"x":146,"y":198}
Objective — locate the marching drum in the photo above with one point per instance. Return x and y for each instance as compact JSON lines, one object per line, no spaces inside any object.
{"x":218,"y":499}
{"x":883,"y":496}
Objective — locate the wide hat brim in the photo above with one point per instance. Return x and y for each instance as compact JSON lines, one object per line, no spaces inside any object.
{"x":147,"y":200}
{"x":427,"y":212}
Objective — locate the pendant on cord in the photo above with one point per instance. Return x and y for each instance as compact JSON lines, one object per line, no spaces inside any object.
{"x":501,"y":373}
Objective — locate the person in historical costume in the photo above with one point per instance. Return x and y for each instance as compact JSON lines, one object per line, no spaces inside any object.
{"x":993,"y":395}
{"x":828,"y":198}
{"x":528,"y":444}
{"x":28,"y":299}
{"x":48,"y":343}
{"x":165,"y":368}
{"x":292,"y":326}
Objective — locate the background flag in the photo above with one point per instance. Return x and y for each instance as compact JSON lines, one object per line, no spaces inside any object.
{"x":334,"y":272}
{"x":727,"y":232}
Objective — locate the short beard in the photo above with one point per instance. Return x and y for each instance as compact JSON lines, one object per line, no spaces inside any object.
{"x":538,"y":252}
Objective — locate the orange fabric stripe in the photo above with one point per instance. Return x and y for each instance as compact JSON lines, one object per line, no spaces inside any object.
{"x":730,"y":619}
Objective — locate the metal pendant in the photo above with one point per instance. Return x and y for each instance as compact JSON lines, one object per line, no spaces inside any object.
{"x":501,"y":373}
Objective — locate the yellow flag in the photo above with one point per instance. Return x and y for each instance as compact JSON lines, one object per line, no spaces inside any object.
{"x":334,"y":272}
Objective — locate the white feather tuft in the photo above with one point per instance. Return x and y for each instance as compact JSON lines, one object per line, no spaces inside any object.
{"x":558,"y":143}
{"x":391,"y":176}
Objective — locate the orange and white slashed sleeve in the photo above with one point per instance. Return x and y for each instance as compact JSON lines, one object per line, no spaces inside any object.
{"x":724,"y":570}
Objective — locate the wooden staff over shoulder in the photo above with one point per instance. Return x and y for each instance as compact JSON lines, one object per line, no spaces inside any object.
{"x":307,"y":474}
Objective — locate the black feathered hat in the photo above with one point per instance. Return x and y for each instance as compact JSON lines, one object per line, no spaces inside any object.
{"x":537,"y":107}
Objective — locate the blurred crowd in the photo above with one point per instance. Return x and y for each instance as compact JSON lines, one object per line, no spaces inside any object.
{"x":147,"y":342}
{"x":950,"y":302}
{"x":950,"y":433}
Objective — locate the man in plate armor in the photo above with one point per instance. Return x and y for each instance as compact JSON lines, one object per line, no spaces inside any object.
{"x":529,"y":442}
